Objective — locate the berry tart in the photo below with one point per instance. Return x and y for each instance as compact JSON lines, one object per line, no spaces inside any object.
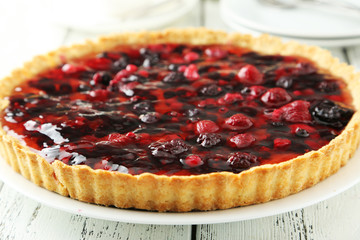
{"x":180,"y":120}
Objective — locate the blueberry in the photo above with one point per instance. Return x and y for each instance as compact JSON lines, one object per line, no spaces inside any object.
{"x":329,"y":113}
{"x":301,"y":132}
{"x":44,"y":84}
{"x":193,"y":112}
{"x":102,"y":77}
{"x":121,"y":63}
{"x":173,"y":67}
{"x":211,"y":90}
{"x":143,"y":107}
{"x":135,"y":78}
{"x":150,"y":117}
{"x":150,"y":58}
{"x":285,"y":82}
{"x":83,"y":88}
{"x":174,"y":77}
{"x":328,"y":86}
{"x":208,"y":140}
{"x":214,"y":75}
{"x":245,"y":91}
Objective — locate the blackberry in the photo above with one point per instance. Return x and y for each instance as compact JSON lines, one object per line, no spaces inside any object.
{"x":208,"y":140}
{"x":329,"y":113}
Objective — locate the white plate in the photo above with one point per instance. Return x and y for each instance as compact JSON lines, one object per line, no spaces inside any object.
{"x":297,"y":22}
{"x":345,"y":178}
{"x":330,"y":42}
{"x":99,"y":18}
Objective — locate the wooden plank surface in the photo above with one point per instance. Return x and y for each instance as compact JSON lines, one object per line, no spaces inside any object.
{"x":23,"y":218}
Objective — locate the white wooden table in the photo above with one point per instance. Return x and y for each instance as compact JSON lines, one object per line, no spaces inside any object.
{"x":22,"y":35}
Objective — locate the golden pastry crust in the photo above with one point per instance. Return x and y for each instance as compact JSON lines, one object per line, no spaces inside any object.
{"x":219,"y":190}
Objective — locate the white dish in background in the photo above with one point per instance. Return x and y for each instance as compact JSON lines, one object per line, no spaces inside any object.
{"x":103,"y":16}
{"x":324,"y":42}
{"x":345,"y":178}
{"x":297,"y":22}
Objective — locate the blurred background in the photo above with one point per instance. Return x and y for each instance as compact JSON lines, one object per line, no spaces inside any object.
{"x":29,"y":28}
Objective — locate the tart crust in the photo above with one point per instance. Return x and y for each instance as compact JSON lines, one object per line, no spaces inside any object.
{"x":219,"y":190}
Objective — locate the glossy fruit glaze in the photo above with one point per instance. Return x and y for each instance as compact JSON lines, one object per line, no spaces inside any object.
{"x":178,"y":109}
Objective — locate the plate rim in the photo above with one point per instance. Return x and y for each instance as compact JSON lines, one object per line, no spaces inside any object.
{"x":324,"y":190}
{"x":225,"y":5}
{"x":335,"y":42}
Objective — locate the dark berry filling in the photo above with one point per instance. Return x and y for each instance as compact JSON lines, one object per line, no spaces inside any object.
{"x":178,"y":109}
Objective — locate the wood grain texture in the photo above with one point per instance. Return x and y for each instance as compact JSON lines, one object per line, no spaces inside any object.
{"x":23,"y":218}
{"x":333,"y":219}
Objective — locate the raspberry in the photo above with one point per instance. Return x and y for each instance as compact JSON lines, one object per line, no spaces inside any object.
{"x":238,"y":122}
{"x":99,"y":63}
{"x":119,"y":138}
{"x":206,"y":126}
{"x":99,"y":94}
{"x":70,"y":68}
{"x":281,"y":142}
{"x":131,"y":68}
{"x":253,"y":91}
{"x":192,"y":161}
{"x":275,"y":97}
{"x":121,"y":74}
{"x":250,"y":74}
{"x":143,"y":73}
{"x":230,"y":98}
{"x":242,"y":140}
{"x":182,"y":68}
{"x":191,"y":56}
{"x":191,"y":72}
{"x":216,"y":52}
{"x":297,"y":111}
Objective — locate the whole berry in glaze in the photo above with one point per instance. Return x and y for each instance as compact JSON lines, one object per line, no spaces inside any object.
{"x":206,"y":126}
{"x":238,"y":122}
{"x":329,"y":113}
{"x":240,"y":161}
{"x":208,"y":140}
{"x":275,"y":97}
{"x":242,"y":140}
{"x":250,"y":74}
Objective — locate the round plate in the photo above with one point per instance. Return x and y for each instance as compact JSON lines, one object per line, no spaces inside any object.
{"x":108,"y":20}
{"x":333,"y":42}
{"x":345,"y":178}
{"x":295,"y":22}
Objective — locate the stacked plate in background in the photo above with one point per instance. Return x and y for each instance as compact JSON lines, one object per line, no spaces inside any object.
{"x":303,"y":24}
